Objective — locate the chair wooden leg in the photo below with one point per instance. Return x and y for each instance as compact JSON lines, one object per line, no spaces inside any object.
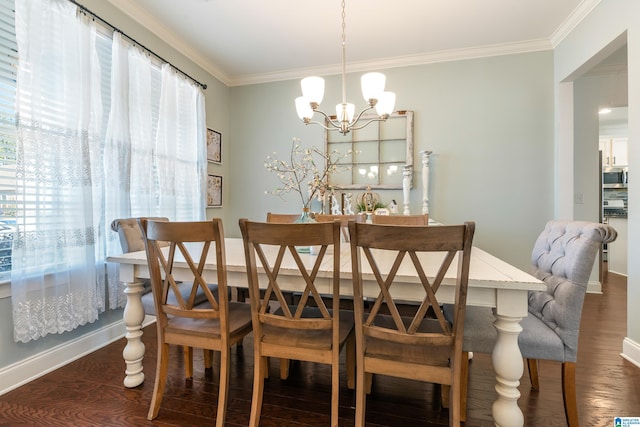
{"x":208,"y":364}
{"x":464,"y":384}
{"x":224,"y":386}
{"x":188,"y":362}
{"x":532,"y":364}
{"x":208,"y":358}
{"x":361,"y":396}
{"x":284,"y":368}
{"x":265,"y":368}
{"x":351,"y":361}
{"x":368,"y":382}
{"x":569,"y":393}
{"x":335,"y":388}
{"x":161,"y":379}
{"x":260,"y":364}
{"x":445,"y":393}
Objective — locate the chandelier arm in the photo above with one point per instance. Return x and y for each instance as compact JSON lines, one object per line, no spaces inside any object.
{"x":335,"y":124}
{"x":377,"y":119}
{"x":355,"y":120}
{"x":315,"y":122}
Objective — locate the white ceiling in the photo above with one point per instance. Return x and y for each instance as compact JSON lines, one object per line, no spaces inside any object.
{"x":250,"y":41}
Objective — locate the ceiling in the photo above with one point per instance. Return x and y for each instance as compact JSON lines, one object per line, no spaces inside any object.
{"x":252,"y":41}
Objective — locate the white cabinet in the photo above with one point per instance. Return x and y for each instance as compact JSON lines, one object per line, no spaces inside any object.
{"x":617,"y":251}
{"x":614,"y":151}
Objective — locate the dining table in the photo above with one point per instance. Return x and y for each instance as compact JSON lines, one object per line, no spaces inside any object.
{"x":493,"y":283}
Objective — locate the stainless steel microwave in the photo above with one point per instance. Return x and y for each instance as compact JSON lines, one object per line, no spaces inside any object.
{"x":615,"y":177}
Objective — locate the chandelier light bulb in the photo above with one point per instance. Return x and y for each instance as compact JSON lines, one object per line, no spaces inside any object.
{"x":313,"y":89}
{"x":345,"y":112}
{"x":303,"y":108}
{"x":372,"y":86}
{"x":386,"y":104}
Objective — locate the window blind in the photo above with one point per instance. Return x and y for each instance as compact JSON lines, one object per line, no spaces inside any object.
{"x":8,"y":61}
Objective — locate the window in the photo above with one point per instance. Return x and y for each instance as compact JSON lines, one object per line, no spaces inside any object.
{"x":380,"y":151}
{"x":8,"y":73}
{"x":8,"y":61}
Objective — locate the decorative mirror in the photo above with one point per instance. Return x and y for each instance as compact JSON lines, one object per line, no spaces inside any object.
{"x":380,"y":151}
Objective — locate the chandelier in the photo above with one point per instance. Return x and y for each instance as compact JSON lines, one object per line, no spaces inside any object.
{"x":345,"y":119}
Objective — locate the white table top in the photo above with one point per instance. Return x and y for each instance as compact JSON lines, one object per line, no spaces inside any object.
{"x":486,"y":273}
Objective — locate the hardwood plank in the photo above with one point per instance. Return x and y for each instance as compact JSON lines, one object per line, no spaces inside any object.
{"x":89,"y":391}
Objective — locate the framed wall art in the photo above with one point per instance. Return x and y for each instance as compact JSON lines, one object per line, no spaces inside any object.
{"x":214,"y":191}
{"x":214,"y":146}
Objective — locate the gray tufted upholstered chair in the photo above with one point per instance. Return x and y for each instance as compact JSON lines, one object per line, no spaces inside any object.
{"x":131,"y":240}
{"x":562,"y":257}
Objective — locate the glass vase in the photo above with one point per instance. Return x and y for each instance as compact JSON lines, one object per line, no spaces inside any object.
{"x":305,"y":217}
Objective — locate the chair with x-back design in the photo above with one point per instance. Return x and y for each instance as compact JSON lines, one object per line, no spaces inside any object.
{"x":414,"y":347}
{"x":131,"y":240}
{"x":217,"y":323}
{"x":299,"y":332}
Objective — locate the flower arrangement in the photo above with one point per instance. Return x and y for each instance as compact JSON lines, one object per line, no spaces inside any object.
{"x":306,"y":173}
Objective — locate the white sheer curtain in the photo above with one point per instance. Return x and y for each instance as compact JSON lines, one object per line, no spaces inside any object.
{"x":57,"y":282}
{"x":156,"y":142}
{"x":72,"y":181}
{"x":157,"y":146}
{"x":117,"y":159}
{"x":180,"y":144}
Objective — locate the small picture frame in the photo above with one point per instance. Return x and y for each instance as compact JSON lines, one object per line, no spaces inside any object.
{"x":214,"y":146}
{"x":214,"y":191}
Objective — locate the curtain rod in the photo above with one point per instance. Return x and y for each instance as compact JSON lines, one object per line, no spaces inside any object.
{"x":83,"y":9}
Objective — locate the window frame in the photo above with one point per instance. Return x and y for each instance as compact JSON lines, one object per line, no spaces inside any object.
{"x":354,"y":140}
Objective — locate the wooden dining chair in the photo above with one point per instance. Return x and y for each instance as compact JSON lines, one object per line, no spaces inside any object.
{"x":278,"y":219}
{"x":282,"y":218}
{"x":400,"y":219}
{"x":562,"y":257}
{"x":344,"y":222}
{"x":413,"y":347}
{"x":216,"y":324}
{"x":300,"y":332}
{"x":131,"y":240}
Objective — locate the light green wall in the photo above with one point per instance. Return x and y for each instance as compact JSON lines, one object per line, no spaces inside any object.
{"x":611,"y":23}
{"x":489,"y":123}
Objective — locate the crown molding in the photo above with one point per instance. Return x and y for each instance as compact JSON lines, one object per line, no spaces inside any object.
{"x":573,"y":20}
{"x":398,"y":61}
{"x":149,"y":22}
{"x":141,"y":16}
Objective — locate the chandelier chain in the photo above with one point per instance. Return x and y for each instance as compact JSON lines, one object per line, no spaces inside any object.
{"x":344,"y":55}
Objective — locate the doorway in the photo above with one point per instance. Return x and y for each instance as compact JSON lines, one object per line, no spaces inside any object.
{"x":613,"y":145}
{"x":604,"y":86}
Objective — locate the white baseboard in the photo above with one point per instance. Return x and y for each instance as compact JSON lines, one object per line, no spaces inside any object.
{"x":594,"y":287}
{"x":631,"y":351}
{"x":31,"y":368}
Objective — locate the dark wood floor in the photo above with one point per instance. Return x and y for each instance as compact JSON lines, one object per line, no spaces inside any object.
{"x":89,"y":392}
